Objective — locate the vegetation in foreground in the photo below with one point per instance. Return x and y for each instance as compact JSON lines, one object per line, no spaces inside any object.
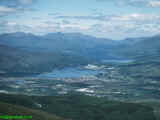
{"x":10,"y":109}
{"x":75,"y":107}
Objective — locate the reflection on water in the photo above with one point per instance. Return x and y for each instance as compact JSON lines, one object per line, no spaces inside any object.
{"x":117,"y":61}
{"x":69,"y":73}
{"x":77,"y":72}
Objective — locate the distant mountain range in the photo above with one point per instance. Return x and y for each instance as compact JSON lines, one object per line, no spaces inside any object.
{"x":139,"y":47}
{"x":54,"y":41}
{"x":18,"y":60}
{"x":28,"y":52}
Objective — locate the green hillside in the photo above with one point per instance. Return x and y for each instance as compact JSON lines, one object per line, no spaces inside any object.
{"x":13,"y":110}
{"x":16,"y":60}
{"x":77,"y":107}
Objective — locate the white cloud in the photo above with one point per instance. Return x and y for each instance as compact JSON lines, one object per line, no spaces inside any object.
{"x":11,"y":23}
{"x":26,"y":2}
{"x":116,"y":27}
{"x":15,"y":6}
{"x":80,"y":27}
{"x":135,"y":17}
{"x":4,"y":9}
{"x":136,"y":3}
{"x":154,"y":3}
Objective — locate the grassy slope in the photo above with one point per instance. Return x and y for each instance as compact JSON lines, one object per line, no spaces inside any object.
{"x":155,"y":104}
{"x":9,"y":109}
{"x":81,"y":107}
{"x":21,"y":61}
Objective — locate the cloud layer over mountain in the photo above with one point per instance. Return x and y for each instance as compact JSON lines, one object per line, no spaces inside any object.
{"x":101,"y":18}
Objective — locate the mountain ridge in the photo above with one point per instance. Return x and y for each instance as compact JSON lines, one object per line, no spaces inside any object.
{"x":28,"y":51}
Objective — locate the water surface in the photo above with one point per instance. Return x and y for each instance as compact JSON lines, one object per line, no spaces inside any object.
{"x":69,"y":73}
{"x":118,"y":61}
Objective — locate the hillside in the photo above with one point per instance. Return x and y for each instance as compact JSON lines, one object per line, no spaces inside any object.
{"x":79,"y":107}
{"x":13,"y":110}
{"x":16,"y":60}
{"x":54,"y":41}
{"x":28,"y":53}
{"x":138,"y":47}
{"x":67,"y":43}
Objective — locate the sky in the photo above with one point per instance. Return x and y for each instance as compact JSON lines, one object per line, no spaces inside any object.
{"x":114,"y":19}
